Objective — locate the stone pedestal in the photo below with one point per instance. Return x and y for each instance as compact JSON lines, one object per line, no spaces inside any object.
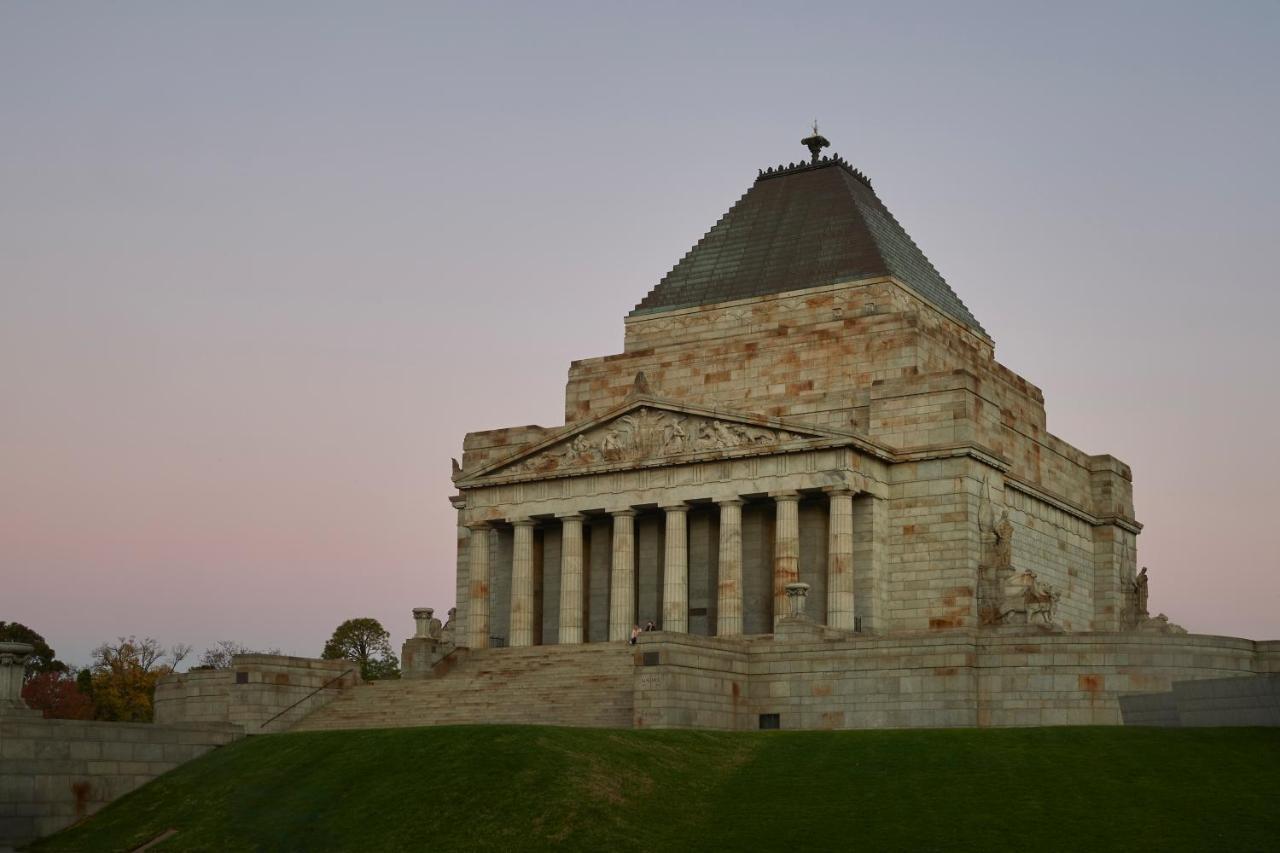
{"x":13,"y":658}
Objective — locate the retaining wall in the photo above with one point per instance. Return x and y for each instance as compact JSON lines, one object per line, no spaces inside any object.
{"x":56,"y":772}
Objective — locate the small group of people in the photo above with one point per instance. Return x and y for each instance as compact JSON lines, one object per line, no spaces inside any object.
{"x":636,"y":631}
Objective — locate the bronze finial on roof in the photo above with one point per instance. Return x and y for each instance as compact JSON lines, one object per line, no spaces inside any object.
{"x":815,"y":143}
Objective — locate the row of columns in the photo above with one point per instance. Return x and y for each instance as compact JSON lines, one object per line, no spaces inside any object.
{"x":675,"y":582}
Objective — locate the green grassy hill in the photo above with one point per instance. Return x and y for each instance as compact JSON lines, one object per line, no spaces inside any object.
{"x":510,"y":788}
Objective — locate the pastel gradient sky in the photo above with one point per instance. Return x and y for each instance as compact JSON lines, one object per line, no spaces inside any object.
{"x":263,"y":265}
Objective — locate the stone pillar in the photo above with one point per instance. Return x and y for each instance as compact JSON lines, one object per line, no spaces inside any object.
{"x":522,"y":583}
{"x":840,"y":561}
{"x":622,"y":576}
{"x":13,"y":660}
{"x":729,"y":599}
{"x":422,"y":621}
{"x":786,"y":549}
{"x":675,"y":578}
{"x":571,"y":579}
{"x":478,"y":593}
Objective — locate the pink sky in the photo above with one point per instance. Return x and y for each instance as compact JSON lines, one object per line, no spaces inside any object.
{"x":261,"y":268}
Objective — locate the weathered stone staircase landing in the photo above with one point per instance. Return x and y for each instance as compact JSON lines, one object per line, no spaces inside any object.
{"x":589,"y":685}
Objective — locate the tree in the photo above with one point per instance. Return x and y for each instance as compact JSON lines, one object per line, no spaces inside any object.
{"x":218,"y":656}
{"x":367,"y":643}
{"x":125,"y":675}
{"x":43,"y":660}
{"x":58,"y":695}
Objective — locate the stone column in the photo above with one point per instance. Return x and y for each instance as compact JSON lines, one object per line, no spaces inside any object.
{"x":522,"y":583}
{"x":729,"y":599}
{"x":622,"y":576}
{"x":571,"y":579}
{"x":840,"y":561}
{"x":675,"y":576}
{"x":786,"y":549}
{"x":478,"y":592}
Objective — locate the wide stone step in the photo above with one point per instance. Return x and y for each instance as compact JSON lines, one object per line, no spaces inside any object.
{"x":588,"y":685}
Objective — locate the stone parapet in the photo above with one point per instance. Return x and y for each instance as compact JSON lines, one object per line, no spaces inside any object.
{"x":258,"y":693}
{"x":1004,"y":677}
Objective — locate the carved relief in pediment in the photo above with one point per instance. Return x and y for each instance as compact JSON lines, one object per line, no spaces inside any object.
{"x":646,"y":434}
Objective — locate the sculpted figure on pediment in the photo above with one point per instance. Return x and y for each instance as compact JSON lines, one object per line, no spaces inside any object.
{"x":648,"y":433}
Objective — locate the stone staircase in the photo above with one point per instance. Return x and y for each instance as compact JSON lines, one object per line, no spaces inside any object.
{"x":589,"y":685}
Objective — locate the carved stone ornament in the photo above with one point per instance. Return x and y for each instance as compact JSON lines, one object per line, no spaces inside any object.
{"x":13,"y":659}
{"x":1027,"y":601}
{"x":797,"y":597}
{"x":648,"y":433}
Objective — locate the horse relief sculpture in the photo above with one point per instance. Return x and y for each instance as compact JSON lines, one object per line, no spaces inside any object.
{"x":650,"y":434}
{"x":1027,"y":601}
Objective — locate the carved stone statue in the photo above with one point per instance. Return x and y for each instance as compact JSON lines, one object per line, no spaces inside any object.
{"x":447,"y":633}
{"x":1028,"y":601}
{"x":646,"y":433}
{"x":457,"y":469}
{"x":1003,"y":558}
{"x":1140,"y":595}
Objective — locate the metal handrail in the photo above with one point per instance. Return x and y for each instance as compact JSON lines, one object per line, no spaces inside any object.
{"x":305,"y":698}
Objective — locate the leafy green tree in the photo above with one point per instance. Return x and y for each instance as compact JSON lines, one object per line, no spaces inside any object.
{"x":367,"y":643}
{"x":43,"y":660}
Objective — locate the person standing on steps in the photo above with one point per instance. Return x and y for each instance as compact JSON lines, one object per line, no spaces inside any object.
{"x":635,"y":634}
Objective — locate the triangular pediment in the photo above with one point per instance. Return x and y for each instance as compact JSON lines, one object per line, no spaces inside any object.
{"x":646,"y":431}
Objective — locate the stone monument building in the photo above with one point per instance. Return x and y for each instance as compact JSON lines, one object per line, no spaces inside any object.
{"x":809,"y":480}
{"x":802,"y":398}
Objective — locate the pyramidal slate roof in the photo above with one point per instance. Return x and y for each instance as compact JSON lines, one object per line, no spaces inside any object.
{"x":801,"y":226}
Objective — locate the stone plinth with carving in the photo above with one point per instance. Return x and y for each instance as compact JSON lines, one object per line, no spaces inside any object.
{"x":13,"y":659}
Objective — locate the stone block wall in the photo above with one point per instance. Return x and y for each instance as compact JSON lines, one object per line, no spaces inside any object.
{"x":932,"y":545}
{"x":1245,"y":701}
{"x":256,"y":689}
{"x":688,"y":682}
{"x":1058,"y":547}
{"x":1000,"y":677}
{"x":56,"y":772}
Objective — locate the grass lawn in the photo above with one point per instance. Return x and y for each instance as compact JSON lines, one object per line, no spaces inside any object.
{"x":519,"y":788}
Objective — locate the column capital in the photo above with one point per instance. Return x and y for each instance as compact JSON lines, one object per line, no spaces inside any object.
{"x":522,"y":521}
{"x":734,"y":501}
{"x":477,"y":526}
{"x":785,"y":495}
{"x":571,"y":516}
{"x":675,"y":507}
{"x":840,"y":491}
{"x":625,"y":513}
